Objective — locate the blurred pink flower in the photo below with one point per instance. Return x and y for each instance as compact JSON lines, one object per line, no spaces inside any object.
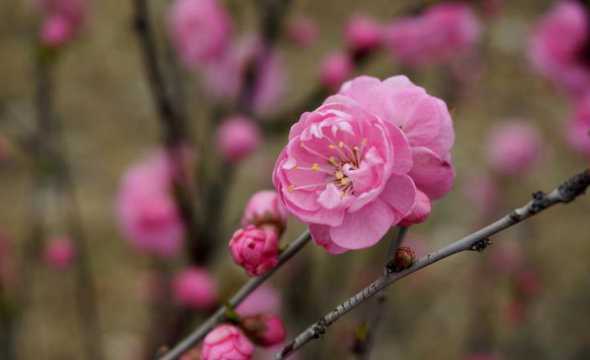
{"x":363,"y":33}
{"x":265,"y":208}
{"x":303,"y":31}
{"x":195,"y":288}
{"x":255,"y":249}
{"x":200,"y":30}
{"x":558,"y":46}
{"x":482,"y":193}
{"x":265,"y":329}
{"x":513,"y":148}
{"x":265,"y":299}
{"x":335,"y":69}
{"x":420,"y":212}
{"x":578,"y":127}
{"x":224,"y":78}
{"x":237,"y":138}
{"x":60,"y":253}
{"x":146,"y":209}
{"x":507,"y":257}
{"x":62,"y":20}
{"x":528,"y":283}
{"x":439,"y":35}
{"x":226,"y":342}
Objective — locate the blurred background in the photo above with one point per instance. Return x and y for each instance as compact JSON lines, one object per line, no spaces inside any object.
{"x":525,"y":297}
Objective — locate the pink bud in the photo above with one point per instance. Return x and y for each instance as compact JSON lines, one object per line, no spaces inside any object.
{"x":514,"y":147}
{"x":265,"y":299}
{"x":335,"y":69}
{"x":420,"y":212}
{"x":60,"y":253}
{"x":56,"y":31}
{"x":200,"y":30}
{"x":63,"y":20}
{"x":226,"y":342}
{"x":264,"y":207}
{"x":255,"y":249}
{"x":363,"y":33}
{"x":195,"y":288}
{"x":237,"y":137}
{"x":303,"y":31}
{"x":265,"y":329}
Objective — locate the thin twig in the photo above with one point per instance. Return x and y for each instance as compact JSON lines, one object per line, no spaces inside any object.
{"x":220,"y":315}
{"x":476,"y":241}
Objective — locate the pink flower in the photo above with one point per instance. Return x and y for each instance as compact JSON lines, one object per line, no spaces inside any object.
{"x":352,"y":167}
{"x":439,"y":35}
{"x":255,"y":249}
{"x":420,"y":212}
{"x":578,"y":127}
{"x":226,"y":342}
{"x":513,"y":148}
{"x":60,"y":253}
{"x":62,"y":20}
{"x":200,"y":30}
{"x":224,"y":77}
{"x":195,"y":288}
{"x":265,"y":208}
{"x":335,"y":69}
{"x":146,"y":209}
{"x":237,"y":138}
{"x":265,"y":329}
{"x":265,"y":299}
{"x":303,"y":31}
{"x":363,"y":33}
{"x":558,"y":44}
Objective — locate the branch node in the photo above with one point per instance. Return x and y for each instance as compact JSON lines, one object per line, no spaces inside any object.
{"x":481,"y":245}
{"x":574,"y":187}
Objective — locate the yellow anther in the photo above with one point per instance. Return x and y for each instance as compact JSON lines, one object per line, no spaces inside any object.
{"x":341,"y":144}
{"x":290,"y":188}
{"x":332,"y":146}
{"x":333,"y":161}
{"x":344,"y":181}
{"x":339,"y":175}
{"x":315,"y":167}
{"x":364,"y":141}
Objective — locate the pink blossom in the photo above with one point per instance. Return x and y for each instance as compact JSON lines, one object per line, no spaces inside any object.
{"x":436,"y":36}
{"x":255,"y":249}
{"x":363,"y":155}
{"x":62,"y":20}
{"x":335,"y":69}
{"x":482,"y":193}
{"x":264,"y":207}
{"x":60,"y":253}
{"x":265,"y":329}
{"x":303,"y":31}
{"x":226,"y":342}
{"x":237,"y":138}
{"x":578,"y":127}
{"x":224,"y":78}
{"x":420,"y":212}
{"x":363,"y":33}
{"x":558,"y":44}
{"x":147,"y":212}
{"x":200,"y":30}
{"x":195,"y":288}
{"x":513,"y":148}
{"x":265,"y":299}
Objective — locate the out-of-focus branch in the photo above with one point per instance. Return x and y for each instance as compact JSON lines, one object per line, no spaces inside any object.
{"x":477,"y":241}
{"x":220,"y":315}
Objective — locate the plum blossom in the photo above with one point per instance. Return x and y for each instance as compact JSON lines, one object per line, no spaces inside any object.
{"x":226,"y":342}
{"x":514,"y":148}
{"x":265,"y":208}
{"x":265,"y":299}
{"x":363,"y":33}
{"x":200,"y":30}
{"x":62,"y":20}
{"x":437,"y":36}
{"x":255,"y":249}
{"x":237,"y":138}
{"x":195,"y":288}
{"x":302,"y":31}
{"x":353,"y":167}
{"x":146,"y":209}
{"x":335,"y":69}
{"x":558,"y":46}
{"x":60,"y":253}
{"x":265,"y":329}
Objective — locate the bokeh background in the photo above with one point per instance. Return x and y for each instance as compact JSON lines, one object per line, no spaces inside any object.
{"x":465,"y":305}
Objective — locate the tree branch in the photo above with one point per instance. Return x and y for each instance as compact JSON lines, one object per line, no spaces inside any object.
{"x":476,"y":241}
{"x":220,"y":315}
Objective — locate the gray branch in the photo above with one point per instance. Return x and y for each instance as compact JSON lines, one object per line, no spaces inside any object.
{"x":220,"y":315}
{"x":477,"y":241}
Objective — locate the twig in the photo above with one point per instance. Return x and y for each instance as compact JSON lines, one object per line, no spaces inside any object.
{"x":220,"y":315}
{"x":476,"y":241}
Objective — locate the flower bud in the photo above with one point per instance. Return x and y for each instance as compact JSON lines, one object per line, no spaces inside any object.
{"x":265,"y":208}
{"x":402,"y":259}
{"x":255,"y":249}
{"x":237,"y":138}
{"x":265,"y":329}
{"x":514,"y":148}
{"x":363,"y":33}
{"x":60,"y":253}
{"x":226,"y":342}
{"x":195,"y":288}
{"x":335,"y":69}
{"x":302,"y":31}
